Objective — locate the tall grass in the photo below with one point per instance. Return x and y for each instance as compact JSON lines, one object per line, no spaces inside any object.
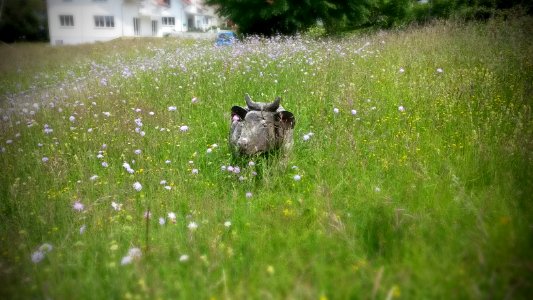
{"x":415,"y":183}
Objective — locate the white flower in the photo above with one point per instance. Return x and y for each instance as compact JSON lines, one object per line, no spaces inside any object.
{"x":194,"y":100}
{"x":137,"y":186}
{"x":100,"y":155}
{"x":209,"y":150}
{"x":354,"y":112}
{"x":161,"y":221}
{"x":223,"y":168}
{"x":336,"y":110}
{"x":194,"y":171}
{"x":168,"y":187}
{"x":227,"y":224}
{"x":184,"y":128}
{"x":439,"y":70}
{"x":72,"y":118}
{"x":106,"y":114}
{"x":138,"y":151}
{"x":402,"y":70}
{"x":46,"y":248}
{"x":89,"y":130}
{"x":82,"y":228}
{"x":297,"y":177}
{"x":184,"y":258}
{"x":126,"y":260}
{"x":306,"y":137}
{"x":251,"y":164}
{"x":104,"y":164}
{"x":401,"y":108}
{"x":44,"y":159}
{"x":172,"y":108}
{"x":214,"y":145}
{"x":377,"y":189}
{"x":172,"y":216}
{"x":94,"y":177}
{"x":163,"y":182}
{"x":249,"y":195}
{"x":167,"y":161}
{"x":192,"y":226}
{"x":37,"y":256}
{"x":78,"y":206}
{"x":116,"y":206}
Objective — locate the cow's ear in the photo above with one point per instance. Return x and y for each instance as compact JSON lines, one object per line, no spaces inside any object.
{"x":238,"y":111}
{"x":286,"y":119}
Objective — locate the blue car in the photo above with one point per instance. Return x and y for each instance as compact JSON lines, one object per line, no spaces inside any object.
{"x":226,"y":38}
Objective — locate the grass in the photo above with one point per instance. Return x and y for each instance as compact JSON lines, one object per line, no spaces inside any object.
{"x":424,"y":193}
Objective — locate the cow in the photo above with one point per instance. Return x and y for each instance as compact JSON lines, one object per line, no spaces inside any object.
{"x":260,"y":128}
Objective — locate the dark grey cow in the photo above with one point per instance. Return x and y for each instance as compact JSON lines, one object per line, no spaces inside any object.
{"x":260,"y":127}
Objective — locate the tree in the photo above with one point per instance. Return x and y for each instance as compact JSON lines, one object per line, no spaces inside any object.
{"x":268,"y":17}
{"x":23,"y":20}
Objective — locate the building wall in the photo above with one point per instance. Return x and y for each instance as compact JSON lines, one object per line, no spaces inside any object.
{"x":123,"y":11}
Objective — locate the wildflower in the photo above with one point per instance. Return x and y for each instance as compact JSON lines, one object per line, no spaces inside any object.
{"x":251,"y":164}
{"x":82,"y":228}
{"x":138,"y":121}
{"x":100,"y":155}
{"x":137,"y":186}
{"x":128,"y":168}
{"x":172,"y":108}
{"x":236,"y":170}
{"x":78,"y":206}
{"x":163,"y":182}
{"x":161,"y":221}
{"x":168,"y":187}
{"x":184,"y":258}
{"x":46,"y":247}
{"x":37,"y":256}
{"x":402,"y":70}
{"x":439,"y":70}
{"x":116,"y":206}
{"x":126,"y":260}
{"x":214,"y":145}
{"x":184,"y":128}
{"x":227,"y":224}
{"x":72,"y":118}
{"x":138,"y":151}
{"x":44,"y":159}
{"x":194,"y":171}
{"x":306,"y":137}
{"x":377,"y":189}
{"x":167,"y":161}
{"x":133,"y":254}
{"x":248,"y":195}
{"x":151,"y":113}
{"x":192,"y":226}
{"x":147,"y":214}
{"x":94,"y":177}
{"x":104,"y":164}
{"x":172,"y":217}
{"x":194,"y":100}
{"x":89,"y":130}
{"x":229,"y":168}
{"x":106,"y":114}
{"x":354,"y":112}
{"x":209,"y":150}
{"x":401,"y":108}
{"x":335,"y":110}
{"x":297,"y":177}
{"x":138,"y":110}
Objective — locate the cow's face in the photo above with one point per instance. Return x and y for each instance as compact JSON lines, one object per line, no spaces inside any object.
{"x":254,"y":131}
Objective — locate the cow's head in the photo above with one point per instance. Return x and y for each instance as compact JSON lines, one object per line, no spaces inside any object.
{"x":260,"y":127}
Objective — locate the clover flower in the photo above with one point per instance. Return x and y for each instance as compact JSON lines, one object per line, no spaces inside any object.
{"x":192,"y":226}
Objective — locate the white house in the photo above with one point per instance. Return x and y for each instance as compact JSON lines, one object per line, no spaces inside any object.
{"x":87,"y":21}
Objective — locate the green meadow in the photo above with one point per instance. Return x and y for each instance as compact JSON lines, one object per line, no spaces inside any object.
{"x":410,"y":177}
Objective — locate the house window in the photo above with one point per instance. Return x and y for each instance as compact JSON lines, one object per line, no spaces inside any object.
{"x":104,"y":21}
{"x":66,"y":20}
{"x":168,"y":21}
